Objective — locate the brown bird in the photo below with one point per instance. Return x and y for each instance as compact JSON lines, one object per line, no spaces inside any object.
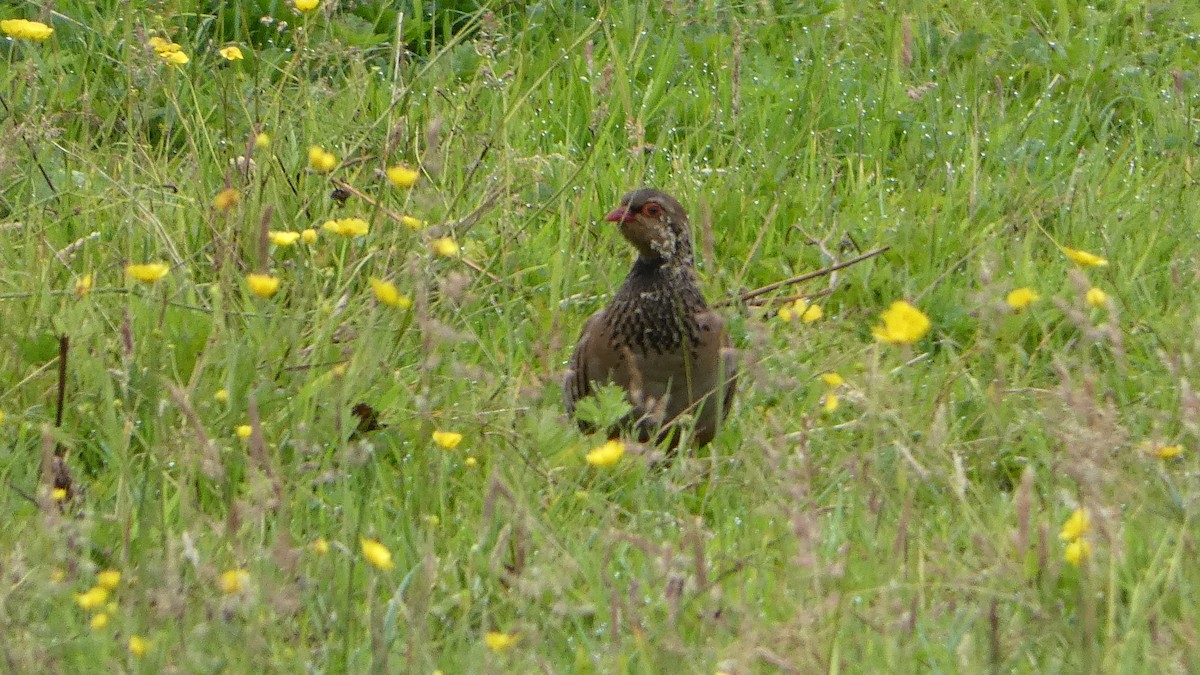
{"x":658,"y":339}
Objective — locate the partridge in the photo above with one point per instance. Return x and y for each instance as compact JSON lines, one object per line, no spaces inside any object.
{"x":658,"y":339}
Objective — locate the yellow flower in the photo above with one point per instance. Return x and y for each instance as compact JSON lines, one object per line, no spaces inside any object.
{"x":1021,"y":298}
{"x":163,"y":46}
{"x":109,"y":579}
{"x":232,"y":53}
{"x":225,"y":199}
{"x":95,"y":597}
{"x":412,"y":223}
{"x":320,"y":546}
{"x":606,"y":455}
{"x":99,"y":621}
{"x":376,"y":553}
{"x":262,"y":141}
{"x":447,"y":440}
{"x":221,"y":396}
{"x":802,"y":310}
{"x":58,"y":494}
{"x":262,"y":285}
{"x":309,"y":236}
{"x":244,"y":430}
{"x":233,"y":581}
{"x":402,"y":176}
{"x":387,"y":293}
{"x":283,"y":238}
{"x":148,"y":273}
{"x":1096,"y":298}
{"x":1077,"y":551}
{"x":471,"y":462}
{"x":498,"y":642}
{"x":1076,"y":525}
{"x":812,"y":313}
{"x":1083,"y":258}
{"x":1169,"y":451}
{"x":830,"y":403}
{"x":832,"y":380}
{"x":57,"y":575}
{"x":305,"y":5}
{"x":902,"y":324}
{"x":347,"y":227}
{"x":445,"y":247}
{"x":22,"y":29}
{"x":138,"y":645}
{"x":321,"y":160}
{"x":176,"y":58}
{"x":83,"y":285}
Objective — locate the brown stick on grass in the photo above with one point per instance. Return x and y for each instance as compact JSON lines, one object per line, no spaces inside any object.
{"x":750,"y":295}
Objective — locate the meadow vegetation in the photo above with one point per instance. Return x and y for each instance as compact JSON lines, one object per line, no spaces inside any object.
{"x":318,"y":291}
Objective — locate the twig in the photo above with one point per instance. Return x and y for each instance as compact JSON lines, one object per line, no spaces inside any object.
{"x":749,"y":295}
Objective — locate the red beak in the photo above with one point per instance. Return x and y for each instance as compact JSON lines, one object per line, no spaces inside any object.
{"x":621,"y":214}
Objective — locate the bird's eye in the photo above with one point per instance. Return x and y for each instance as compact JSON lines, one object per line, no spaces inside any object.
{"x":653,"y":210}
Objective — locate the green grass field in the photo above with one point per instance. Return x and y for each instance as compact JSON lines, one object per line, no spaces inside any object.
{"x":917,"y":526}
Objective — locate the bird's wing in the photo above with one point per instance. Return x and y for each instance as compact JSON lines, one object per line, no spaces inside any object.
{"x":577,"y":383}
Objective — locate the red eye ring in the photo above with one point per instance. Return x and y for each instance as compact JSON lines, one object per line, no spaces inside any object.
{"x":653,"y":210}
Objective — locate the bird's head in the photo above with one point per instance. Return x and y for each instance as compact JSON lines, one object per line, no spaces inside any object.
{"x":655,"y":224}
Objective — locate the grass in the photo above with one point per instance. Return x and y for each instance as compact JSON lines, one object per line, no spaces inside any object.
{"x":914,"y":528}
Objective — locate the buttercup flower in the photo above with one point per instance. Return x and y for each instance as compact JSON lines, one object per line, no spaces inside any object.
{"x":221,"y":396}
{"x":99,"y":621}
{"x":320,"y":546}
{"x":498,"y":642}
{"x":262,"y":285}
{"x":402,"y":176}
{"x":262,"y":141}
{"x":1096,"y":298}
{"x":225,"y":199}
{"x":94,"y":598}
{"x":1077,"y":551}
{"x":308,"y":236}
{"x":447,"y":440}
{"x":830,"y":403}
{"x":1076,"y":525}
{"x":606,"y":455}
{"x":1168,"y":451}
{"x":445,"y":247}
{"x":244,"y":430}
{"x":376,"y":553}
{"x":305,"y":5}
{"x":1083,"y":258}
{"x":347,"y":227}
{"x":387,"y":293}
{"x":832,"y":380}
{"x":233,"y":581}
{"x":22,"y":29}
{"x":902,"y":324}
{"x":412,"y":223}
{"x":471,"y":462}
{"x":58,"y":494}
{"x":283,"y":238}
{"x":148,"y":273}
{"x":138,"y":645}
{"x":1021,"y":298}
{"x":321,"y":160}
{"x":803,"y":310}
{"x":232,"y":53}
{"x":109,"y":579}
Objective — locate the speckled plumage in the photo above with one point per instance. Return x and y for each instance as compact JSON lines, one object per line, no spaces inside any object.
{"x":658,"y":339}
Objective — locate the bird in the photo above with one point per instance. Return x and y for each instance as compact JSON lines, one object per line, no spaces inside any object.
{"x":658,"y":339}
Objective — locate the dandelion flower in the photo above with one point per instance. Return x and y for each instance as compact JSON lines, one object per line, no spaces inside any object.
{"x":83,"y":285}
{"x":1096,"y":298}
{"x":109,"y":579}
{"x":321,"y":160}
{"x":387,"y":293}
{"x":262,"y":141}
{"x":305,"y":5}
{"x":226,"y":199}
{"x":1077,"y":551}
{"x":99,"y":621}
{"x":148,"y":273}
{"x":347,"y":227}
{"x":832,"y":380}
{"x":1169,"y":451}
{"x":447,"y":440}
{"x":283,"y":238}
{"x":222,"y":396}
{"x":1083,"y":258}
{"x":244,"y":430}
{"x":22,"y":29}
{"x":320,"y":546}
{"x":234,"y":580}
{"x":95,"y":597}
{"x":830,"y":403}
{"x":445,"y":247}
{"x":402,"y":176}
{"x":138,"y":645}
{"x":412,"y":223}
{"x":902,"y":324}
{"x":262,"y":285}
{"x":606,"y":455}
{"x":232,"y":53}
{"x":1021,"y":298}
{"x":1076,"y":525}
{"x":498,"y":642}
{"x":376,"y":553}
